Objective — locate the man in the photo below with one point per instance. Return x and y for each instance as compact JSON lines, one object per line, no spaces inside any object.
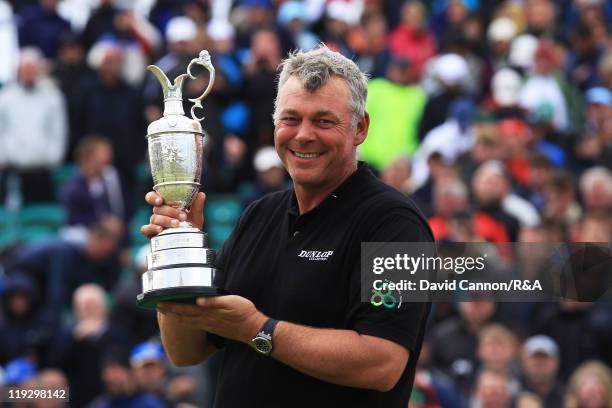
{"x":33,"y":128}
{"x":327,"y":348}
{"x":540,"y":364}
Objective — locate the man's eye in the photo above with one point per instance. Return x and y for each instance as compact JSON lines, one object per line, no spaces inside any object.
{"x":290,"y":120}
{"x":325,"y":122}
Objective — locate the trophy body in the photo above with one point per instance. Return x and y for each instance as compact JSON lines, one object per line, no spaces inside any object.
{"x":181,"y":267}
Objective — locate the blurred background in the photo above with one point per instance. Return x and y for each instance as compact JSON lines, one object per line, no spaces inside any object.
{"x":494,"y":116}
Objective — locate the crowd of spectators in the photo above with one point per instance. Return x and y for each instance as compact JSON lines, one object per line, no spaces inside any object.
{"x":494,"y":116}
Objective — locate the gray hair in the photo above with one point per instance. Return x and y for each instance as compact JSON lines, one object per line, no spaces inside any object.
{"x":594,"y":175}
{"x":314,"y":68}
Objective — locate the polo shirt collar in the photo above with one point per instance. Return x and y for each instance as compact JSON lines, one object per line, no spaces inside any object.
{"x":349,"y":187}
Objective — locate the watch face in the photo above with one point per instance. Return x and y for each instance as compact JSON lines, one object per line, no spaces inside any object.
{"x":264,"y":346}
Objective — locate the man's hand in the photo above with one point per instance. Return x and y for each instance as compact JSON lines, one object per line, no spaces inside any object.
{"x":232,"y":317}
{"x":165,"y":216}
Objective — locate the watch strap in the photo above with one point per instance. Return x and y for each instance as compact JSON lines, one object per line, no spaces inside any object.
{"x":268,"y":327}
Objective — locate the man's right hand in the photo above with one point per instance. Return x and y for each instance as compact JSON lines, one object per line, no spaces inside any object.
{"x":165,"y":216}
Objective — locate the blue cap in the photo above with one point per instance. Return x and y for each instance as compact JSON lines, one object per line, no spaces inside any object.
{"x":599,"y":95}
{"x":290,"y":10}
{"x":146,"y":352}
{"x":257,"y":3}
{"x":18,"y":371}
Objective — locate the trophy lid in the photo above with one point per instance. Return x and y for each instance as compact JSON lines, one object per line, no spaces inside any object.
{"x":174,"y":119}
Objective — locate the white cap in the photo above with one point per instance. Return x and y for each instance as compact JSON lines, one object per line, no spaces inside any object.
{"x":452,"y":69}
{"x":220,"y":29}
{"x":522,"y":51}
{"x":541,"y":344}
{"x":98,"y":51}
{"x":266,"y":158}
{"x":501,"y":29}
{"x":181,"y":29}
{"x":343,"y":11}
{"x":506,"y":87}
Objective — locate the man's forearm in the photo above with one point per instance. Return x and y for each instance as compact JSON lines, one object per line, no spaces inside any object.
{"x":184,"y":345}
{"x":342,"y":357}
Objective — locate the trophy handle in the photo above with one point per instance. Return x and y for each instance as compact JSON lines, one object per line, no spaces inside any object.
{"x":203,"y":60}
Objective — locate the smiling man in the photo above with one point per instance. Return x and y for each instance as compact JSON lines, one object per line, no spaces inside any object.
{"x":294,"y":329}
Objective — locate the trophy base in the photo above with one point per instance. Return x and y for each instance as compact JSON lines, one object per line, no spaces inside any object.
{"x":186,"y":294}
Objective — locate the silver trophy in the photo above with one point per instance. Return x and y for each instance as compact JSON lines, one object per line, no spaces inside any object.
{"x":180,"y":264}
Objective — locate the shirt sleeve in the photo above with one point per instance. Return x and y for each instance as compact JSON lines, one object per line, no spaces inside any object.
{"x":403,"y":325}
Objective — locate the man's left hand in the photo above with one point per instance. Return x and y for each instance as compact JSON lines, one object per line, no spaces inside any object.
{"x":233,"y":317}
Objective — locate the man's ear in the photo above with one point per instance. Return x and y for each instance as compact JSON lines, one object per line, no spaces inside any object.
{"x":362,"y":129}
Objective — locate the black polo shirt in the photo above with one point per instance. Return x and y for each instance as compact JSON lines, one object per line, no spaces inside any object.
{"x":305,"y":269}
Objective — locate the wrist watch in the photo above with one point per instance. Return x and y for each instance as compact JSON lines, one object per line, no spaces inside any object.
{"x":262,"y":343}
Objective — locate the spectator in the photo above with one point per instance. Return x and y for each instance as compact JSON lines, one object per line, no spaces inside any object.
{"x":450,"y":139}
{"x":522,"y":53}
{"x":497,"y":351}
{"x":568,"y":324}
{"x":370,"y":44}
{"x":339,"y":18}
{"x":95,"y":191}
{"x":59,"y":266}
{"x":92,"y":336}
{"x":32,"y":141}
{"x":393,"y":131}
{"x":147,"y":362}
{"x":450,"y":199}
{"x":137,"y":38}
{"x":596,"y":190}
{"x":543,"y":88}
{"x":449,"y":75}
{"x":411,"y":39}
{"x":528,"y":400}
{"x":121,"y":388}
{"x":440,"y":172}
{"x":123,"y":125}
{"x":487,"y":146}
{"x":540,"y":366}
{"x":492,"y":390}
{"x":259,"y":90}
{"x":52,"y":380}
{"x":584,"y":56}
{"x":292,"y":16}
{"x":50,"y":27}
{"x":506,"y":86}
{"x":69,"y":70}
{"x":454,"y":341}
{"x":560,"y":198}
{"x":541,"y":15}
{"x":590,"y":386}
{"x":23,"y":330}
{"x":500,"y":34}
{"x":270,"y":174}
{"x":490,"y":187}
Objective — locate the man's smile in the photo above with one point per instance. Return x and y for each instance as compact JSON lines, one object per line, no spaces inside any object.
{"x":305,"y":155}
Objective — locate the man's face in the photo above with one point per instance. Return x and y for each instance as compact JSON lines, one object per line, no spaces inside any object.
{"x":313,"y":136}
{"x":28,"y":73}
{"x":540,"y":367}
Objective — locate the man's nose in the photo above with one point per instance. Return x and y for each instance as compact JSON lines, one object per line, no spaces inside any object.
{"x":306,"y":132}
